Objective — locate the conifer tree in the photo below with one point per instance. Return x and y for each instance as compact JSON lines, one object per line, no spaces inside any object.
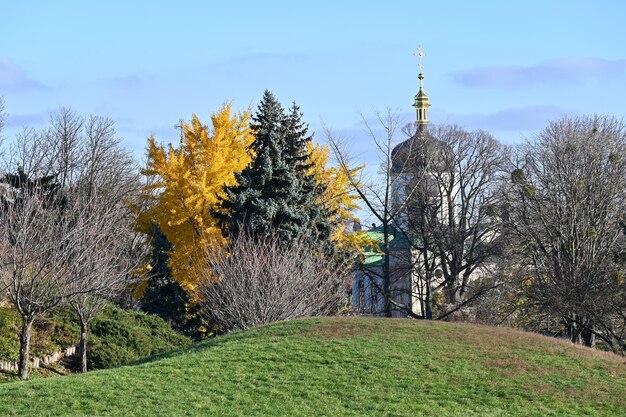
{"x":298,"y":154}
{"x":164,"y":296}
{"x":277,"y":192}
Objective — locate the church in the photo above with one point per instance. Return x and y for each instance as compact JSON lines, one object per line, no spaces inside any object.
{"x":410,"y":273}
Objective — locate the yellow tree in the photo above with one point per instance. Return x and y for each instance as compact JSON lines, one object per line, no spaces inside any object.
{"x":339,"y":198}
{"x":187,"y":184}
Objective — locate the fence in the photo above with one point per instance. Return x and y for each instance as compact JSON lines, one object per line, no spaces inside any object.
{"x":37,"y":362}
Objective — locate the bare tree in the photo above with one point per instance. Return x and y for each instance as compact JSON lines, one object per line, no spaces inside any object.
{"x":78,"y":170}
{"x":454,"y":221}
{"x":35,"y":236}
{"x":102,"y":177}
{"x":102,"y":275}
{"x":378,"y":193}
{"x":567,"y":201}
{"x":435,"y":199}
{"x":260,"y":280}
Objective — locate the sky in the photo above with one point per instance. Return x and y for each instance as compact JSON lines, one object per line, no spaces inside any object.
{"x":508,"y":67}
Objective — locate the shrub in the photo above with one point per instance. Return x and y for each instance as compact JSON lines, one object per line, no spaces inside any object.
{"x":117,"y":336}
{"x":122,"y":336}
{"x":260,"y":280}
{"x":8,"y":334}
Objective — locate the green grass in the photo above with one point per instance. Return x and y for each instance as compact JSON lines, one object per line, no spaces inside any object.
{"x":345,"y":367}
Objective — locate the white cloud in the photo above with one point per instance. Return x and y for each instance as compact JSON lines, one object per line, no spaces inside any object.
{"x":546,"y":72}
{"x":13,"y":78}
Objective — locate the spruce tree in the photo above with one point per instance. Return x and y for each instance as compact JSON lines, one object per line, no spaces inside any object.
{"x":275,"y":194}
{"x":164,"y":296}
{"x":297,"y":155}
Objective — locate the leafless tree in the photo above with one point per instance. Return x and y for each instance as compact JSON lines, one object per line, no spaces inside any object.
{"x":35,"y":239}
{"x":102,"y":177}
{"x":377,"y":192}
{"x":260,"y":280}
{"x":435,"y":199}
{"x":455,"y":220}
{"x":79,"y":163}
{"x":567,"y":201}
{"x":102,"y":275}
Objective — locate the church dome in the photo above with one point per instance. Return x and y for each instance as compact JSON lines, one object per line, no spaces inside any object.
{"x":421,"y":152}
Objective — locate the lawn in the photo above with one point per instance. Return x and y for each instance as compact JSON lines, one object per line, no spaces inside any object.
{"x":345,"y":367}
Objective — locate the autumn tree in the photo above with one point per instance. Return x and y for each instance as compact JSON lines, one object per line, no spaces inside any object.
{"x":566,"y":202}
{"x":187,"y":183}
{"x":338,"y":198}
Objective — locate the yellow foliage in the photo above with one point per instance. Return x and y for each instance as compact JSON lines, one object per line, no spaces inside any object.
{"x":187,"y":185}
{"x":339,"y":197}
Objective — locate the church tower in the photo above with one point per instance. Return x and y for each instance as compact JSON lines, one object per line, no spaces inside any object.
{"x":419,"y":170}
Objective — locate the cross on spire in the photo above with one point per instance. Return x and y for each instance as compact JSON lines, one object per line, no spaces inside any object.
{"x":181,"y":126}
{"x":421,"y":99}
{"x":420,"y":55}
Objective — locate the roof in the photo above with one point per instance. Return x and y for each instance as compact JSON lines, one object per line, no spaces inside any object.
{"x":372,"y":256}
{"x":421,"y":151}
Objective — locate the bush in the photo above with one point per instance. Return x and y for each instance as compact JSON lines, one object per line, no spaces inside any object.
{"x":50,"y":334}
{"x":8,"y":334}
{"x":118,"y":337}
{"x":260,"y":280}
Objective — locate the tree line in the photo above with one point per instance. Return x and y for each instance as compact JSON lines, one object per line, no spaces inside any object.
{"x":530,"y":235}
{"x":245,"y":221}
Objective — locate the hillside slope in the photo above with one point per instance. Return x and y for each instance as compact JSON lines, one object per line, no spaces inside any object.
{"x":345,"y":367}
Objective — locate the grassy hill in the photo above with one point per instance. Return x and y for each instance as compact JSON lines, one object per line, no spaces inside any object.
{"x":345,"y":367}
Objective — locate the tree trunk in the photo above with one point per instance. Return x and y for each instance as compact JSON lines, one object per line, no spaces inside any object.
{"x":429,"y":307}
{"x":574,"y":330}
{"x":451,"y":292}
{"x":25,"y":333}
{"x":83,"y":346}
{"x":386,"y":271}
{"x":587,"y":337}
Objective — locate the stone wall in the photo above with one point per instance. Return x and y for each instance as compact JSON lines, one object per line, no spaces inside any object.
{"x":37,"y":362}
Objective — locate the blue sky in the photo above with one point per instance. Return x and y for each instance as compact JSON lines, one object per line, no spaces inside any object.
{"x":503,"y":66}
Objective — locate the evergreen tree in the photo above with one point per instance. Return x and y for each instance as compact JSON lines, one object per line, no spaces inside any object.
{"x":278,"y":192}
{"x":19,"y":185}
{"x":297,"y":153}
{"x":267,"y":197}
{"x":164,"y":296}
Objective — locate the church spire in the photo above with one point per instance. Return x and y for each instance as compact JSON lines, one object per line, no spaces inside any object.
{"x":421,"y":99}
